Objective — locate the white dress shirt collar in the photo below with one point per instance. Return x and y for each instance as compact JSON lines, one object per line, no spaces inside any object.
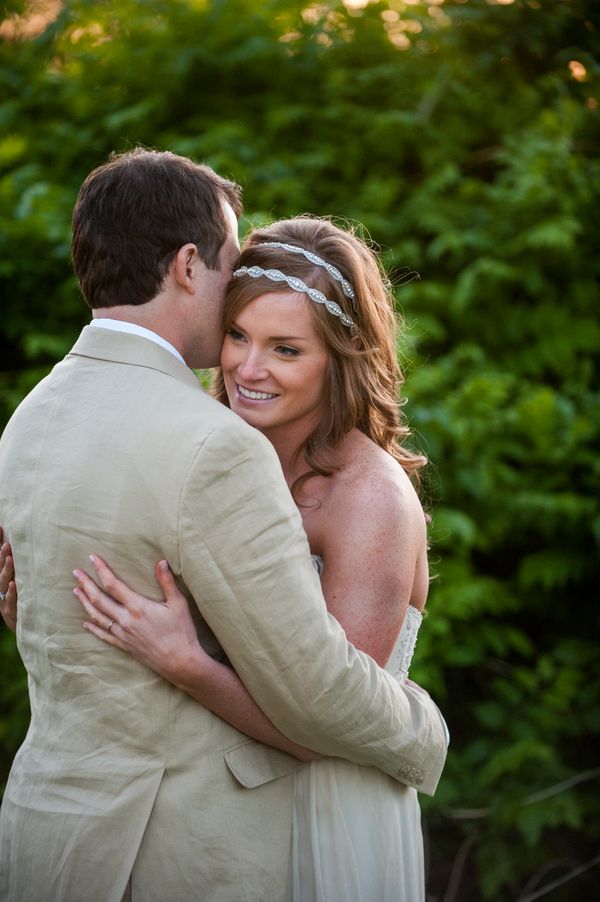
{"x":118,"y":325}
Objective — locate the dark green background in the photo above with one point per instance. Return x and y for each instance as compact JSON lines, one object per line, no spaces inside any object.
{"x":464,"y":135}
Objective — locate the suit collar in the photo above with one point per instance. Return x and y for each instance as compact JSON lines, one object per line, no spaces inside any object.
{"x":134,"y":350}
{"x":118,"y":325}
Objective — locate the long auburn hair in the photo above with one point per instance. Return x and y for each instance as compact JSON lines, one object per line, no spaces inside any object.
{"x":364,"y":377}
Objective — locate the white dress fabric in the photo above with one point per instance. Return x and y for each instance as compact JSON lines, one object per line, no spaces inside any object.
{"x":356,"y":834}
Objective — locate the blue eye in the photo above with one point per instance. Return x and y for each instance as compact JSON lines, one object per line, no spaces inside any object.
{"x":286,"y":351}
{"x":234,"y":334}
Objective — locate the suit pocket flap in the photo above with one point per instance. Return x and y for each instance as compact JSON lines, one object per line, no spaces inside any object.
{"x":253,"y":763}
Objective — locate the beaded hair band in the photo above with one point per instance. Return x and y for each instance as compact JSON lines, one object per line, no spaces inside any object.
{"x":275,"y":275}
{"x":318,"y":261}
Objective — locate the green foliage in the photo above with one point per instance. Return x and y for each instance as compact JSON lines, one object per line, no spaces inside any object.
{"x":464,"y":136}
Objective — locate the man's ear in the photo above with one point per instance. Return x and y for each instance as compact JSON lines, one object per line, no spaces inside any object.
{"x":186,"y":266}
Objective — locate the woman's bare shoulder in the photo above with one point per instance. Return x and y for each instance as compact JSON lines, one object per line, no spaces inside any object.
{"x":371,"y":483}
{"x":367,"y":470}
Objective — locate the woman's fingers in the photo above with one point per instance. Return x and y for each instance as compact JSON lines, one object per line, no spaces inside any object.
{"x":116,"y":616}
{"x":114,"y":586}
{"x":107,"y":636}
{"x":159,"y":634}
{"x":8,"y":607}
{"x":95,"y":614}
{"x":96,"y":599}
{"x":8,"y":588}
{"x":99,"y":624}
{"x":7,"y":568}
{"x":166,"y":581}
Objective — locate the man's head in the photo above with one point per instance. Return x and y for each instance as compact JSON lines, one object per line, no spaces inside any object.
{"x":133,"y":217}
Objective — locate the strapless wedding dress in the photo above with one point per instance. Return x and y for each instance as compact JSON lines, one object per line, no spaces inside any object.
{"x":356,"y":833}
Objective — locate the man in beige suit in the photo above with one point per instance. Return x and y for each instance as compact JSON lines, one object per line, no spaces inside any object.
{"x":124,"y":786}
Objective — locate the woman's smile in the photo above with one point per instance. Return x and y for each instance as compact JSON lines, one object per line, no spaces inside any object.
{"x":249,"y":394}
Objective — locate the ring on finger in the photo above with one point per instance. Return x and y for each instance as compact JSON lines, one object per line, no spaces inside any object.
{"x":3,"y":595}
{"x":109,"y":627}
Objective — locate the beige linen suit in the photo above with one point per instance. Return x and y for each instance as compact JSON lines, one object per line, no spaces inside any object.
{"x":120,"y":452}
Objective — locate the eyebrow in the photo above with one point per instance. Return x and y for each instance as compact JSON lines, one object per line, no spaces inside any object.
{"x":234,"y":325}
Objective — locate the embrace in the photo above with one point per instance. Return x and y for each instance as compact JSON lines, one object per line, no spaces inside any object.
{"x":234,"y":722}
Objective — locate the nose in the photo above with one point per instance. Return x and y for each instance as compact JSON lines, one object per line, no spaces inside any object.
{"x":252,"y":367}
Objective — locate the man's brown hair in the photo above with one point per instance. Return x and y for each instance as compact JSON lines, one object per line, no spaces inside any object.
{"x":133,"y":214}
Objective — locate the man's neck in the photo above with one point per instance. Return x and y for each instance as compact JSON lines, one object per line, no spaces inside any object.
{"x":148,"y":316}
{"x":121,"y":325}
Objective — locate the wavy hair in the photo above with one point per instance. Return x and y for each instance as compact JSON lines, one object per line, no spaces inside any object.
{"x":364,"y":378}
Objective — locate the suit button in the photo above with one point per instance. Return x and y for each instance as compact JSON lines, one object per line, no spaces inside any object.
{"x":411,"y":774}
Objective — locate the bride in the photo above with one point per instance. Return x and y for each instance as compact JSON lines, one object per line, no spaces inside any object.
{"x":309,"y":359}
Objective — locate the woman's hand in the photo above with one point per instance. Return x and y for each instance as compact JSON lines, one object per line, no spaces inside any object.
{"x":8,"y":587}
{"x":159,"y":634}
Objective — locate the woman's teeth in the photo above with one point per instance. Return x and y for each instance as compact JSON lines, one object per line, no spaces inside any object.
{"x":254,"y":395}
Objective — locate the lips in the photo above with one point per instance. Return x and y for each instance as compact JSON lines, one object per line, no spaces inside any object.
{"x":254,"y":395}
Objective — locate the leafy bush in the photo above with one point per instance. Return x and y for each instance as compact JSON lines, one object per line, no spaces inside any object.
{"x":463,"y":135}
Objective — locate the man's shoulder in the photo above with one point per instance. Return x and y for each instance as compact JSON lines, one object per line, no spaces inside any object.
{"x":200,"y":425}
{"x":202,"y":413}
{"x":39,"y":397}
{"x":224,"y":433}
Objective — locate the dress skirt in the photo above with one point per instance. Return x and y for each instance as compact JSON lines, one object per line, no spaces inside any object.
{"x":356,"y":836}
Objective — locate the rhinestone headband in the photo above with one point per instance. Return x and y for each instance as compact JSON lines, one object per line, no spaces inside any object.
{"x":275,"y":275}
{"x":318,"y":261}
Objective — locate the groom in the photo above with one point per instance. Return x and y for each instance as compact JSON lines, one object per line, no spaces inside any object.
{"x":125,"y":787}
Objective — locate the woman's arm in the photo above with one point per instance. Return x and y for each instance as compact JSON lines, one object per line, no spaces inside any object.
{"x":162,"y":635}
{"x":374,"y":544}
{"x":8,"y":588}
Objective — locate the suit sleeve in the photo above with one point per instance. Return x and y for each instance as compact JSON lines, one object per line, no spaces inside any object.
{"x":245,"y":559}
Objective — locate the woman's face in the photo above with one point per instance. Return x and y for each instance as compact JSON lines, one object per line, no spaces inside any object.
{"x":275,"y":365}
